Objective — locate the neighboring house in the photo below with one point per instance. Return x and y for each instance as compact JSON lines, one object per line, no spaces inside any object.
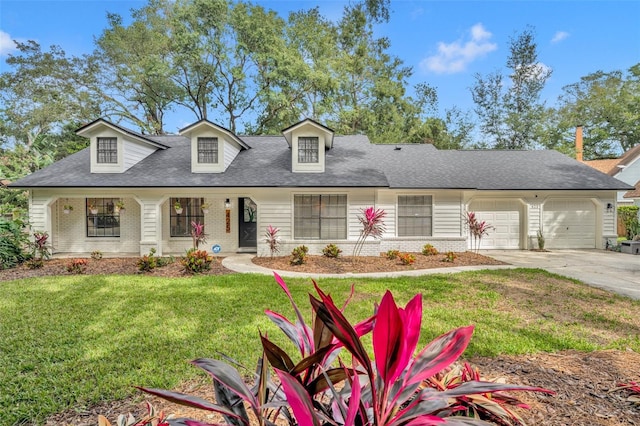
{"x":626,"y":169}
{"x":312,"y":185}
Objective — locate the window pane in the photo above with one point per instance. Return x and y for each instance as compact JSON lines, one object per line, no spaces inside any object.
{"x":320,"y":217}
{"x":180,"y":224}
{"x":207,"y":150}
{"x":414,"y":215}
{"x":308,"y":150}
{"x":104,"y":223}
{"x":107,"y":150}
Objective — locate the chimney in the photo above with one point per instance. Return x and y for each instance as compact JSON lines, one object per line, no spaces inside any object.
{"x":579,"y":143}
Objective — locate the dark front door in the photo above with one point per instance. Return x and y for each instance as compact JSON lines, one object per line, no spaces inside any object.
{"x":248,"y":212}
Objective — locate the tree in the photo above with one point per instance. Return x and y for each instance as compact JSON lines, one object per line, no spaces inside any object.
{"x":509,"y":113}
{"x":607,"y":105}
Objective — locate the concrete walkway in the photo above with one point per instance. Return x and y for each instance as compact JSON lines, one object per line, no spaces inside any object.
{"x":615,"y":272}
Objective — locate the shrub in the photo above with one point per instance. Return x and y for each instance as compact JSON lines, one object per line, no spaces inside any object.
{"x":392,"y":254}
{"x":96,"y":255}
{"x":541,"y":239}
{"x":429,"y":250}
{"x":77,"y":266}
{"x":148,"y":262}
{"x":331,"y":250}
{"x":449,"y":257}
{"x":372,"y":225}
{"x":299,"y":255}
{"x":477,"y":229}
{"x":628,"y":215}
{"x":407,"y":258}
{"x":318,"y":390}
{"x":13,"y":243}
{"x":197,"y":234}
{"x":35,"y":263}
{"x":40,"y":248}
{"x":272,"y":240}
{"x":196,"y":261}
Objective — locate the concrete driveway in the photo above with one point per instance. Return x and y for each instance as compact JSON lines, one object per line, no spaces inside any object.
{"x":616,"y":272}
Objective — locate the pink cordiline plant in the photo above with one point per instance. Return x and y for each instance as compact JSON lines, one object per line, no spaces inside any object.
{"x":372,"y":226}
{"x":395,"y":389}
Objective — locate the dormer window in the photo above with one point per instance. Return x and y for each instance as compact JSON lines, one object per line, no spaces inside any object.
{"x":107,"y":151}
{"x":308,"y":149}
{"x":208,"y":150}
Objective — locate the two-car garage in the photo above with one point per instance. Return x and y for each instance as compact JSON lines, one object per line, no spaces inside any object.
{"x":566,"y":223}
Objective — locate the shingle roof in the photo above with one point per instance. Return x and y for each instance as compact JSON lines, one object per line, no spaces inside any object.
{"x":353,"y":162}
{"x":613,"y":166}
{"x":634,"y":193}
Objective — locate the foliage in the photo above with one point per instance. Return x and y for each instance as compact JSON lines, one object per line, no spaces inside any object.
{"x":96,"y":255}
{"x":492,"y":406}
{"x":299,"y":255}
{"x":429,"y":250}
{"x":177,"y":205}
{"x":449,"y":257}
{"x":40,"y":249}
{"x":372,"y":225}
{"x":196,"y":261}
{"x":197,"y":234}
{"x":629,"y":216}
{"x":272,"y":239}
{"x":384,"y":391}
{"x":407,"y":258}
{"x":152,"y":418}
{"x":392,"y":254}
{"x":509,"y":112}
{"x":331,"y":250}
{"x":607,"y":106}
{"x":634,"y":391}
{"x":541,"y":239}
{"x":77,"y":266}
{"x":148,"y":262}
{"x":13,"y":243}
{"x":477,"y":229}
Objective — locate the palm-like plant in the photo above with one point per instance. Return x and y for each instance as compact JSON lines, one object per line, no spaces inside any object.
{"x":372,"y":226}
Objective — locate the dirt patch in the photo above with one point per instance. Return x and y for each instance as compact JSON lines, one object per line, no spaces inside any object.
{"x":363,"y":264}
{"x":107,"y":266}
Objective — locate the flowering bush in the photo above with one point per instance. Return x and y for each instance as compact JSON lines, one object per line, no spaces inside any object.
{"x":407,"y":258}
{"x":429,"y":250}
{"x":323,"y":389}
{"x":392,"y":254}
{"x":449,"y":257}
{"x":299,"y":255}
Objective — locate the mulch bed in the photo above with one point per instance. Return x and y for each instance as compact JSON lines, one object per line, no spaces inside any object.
{"x":107,"y":266}
{"x":364,"y":264}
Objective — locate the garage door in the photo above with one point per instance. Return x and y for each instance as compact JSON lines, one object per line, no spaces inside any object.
{"x":504,"y":216}
{"x":569,"y":224}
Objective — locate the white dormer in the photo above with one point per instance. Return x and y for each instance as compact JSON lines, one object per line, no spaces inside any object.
{"x":115,"y":149}
{"x":308,"y":141}
{"x":213,"y":148}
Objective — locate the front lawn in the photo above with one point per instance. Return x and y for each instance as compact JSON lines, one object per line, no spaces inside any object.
{"x":74,"y":341}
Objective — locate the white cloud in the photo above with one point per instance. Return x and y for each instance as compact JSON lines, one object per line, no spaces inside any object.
{"x":6,"y":43}
{"x":454,"y":57}
{"x":559,"y":36}
{"x":416,"y":13}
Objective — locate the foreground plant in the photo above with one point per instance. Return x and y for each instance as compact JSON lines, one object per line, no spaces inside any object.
{"x":322,"y":388}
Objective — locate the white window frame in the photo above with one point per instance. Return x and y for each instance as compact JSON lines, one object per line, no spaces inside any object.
{"x":308,"y":150}
{"x":411,"y":212}
{"x":323,"y":215}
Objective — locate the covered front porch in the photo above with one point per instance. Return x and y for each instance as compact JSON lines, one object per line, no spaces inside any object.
{"x":126,"y":224}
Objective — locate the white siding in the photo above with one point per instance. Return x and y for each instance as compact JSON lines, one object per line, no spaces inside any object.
{"x":134,"y":152}
{"x":447,"y":214}
{"x":231,"y":150}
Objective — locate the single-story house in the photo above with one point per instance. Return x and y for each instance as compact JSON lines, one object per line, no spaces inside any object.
{"x":312,"y":185}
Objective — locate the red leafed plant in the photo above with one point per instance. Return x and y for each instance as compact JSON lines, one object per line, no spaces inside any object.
{"x":477,"y":229}
{"x":272,"y":240}
{"x":634,"y":390}
{"x":372,"y":226}
{"x":197,"y":234}
{"x":322,"y":389}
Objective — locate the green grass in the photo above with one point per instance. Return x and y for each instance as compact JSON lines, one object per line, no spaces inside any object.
{"x":75,"y":341}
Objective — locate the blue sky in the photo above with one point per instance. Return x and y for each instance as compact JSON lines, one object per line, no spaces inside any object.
{"x":445,"y":42}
